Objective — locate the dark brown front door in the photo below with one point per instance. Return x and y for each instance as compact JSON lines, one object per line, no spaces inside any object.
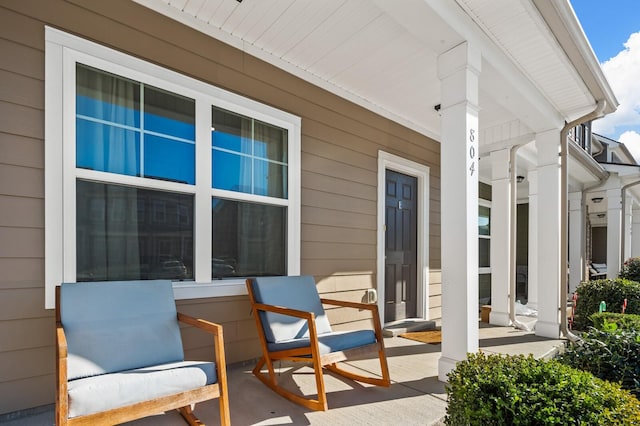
{"x":400,"y":247}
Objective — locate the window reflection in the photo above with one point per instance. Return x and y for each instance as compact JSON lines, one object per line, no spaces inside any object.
{"x":248,"y":239}
{"x":126,"y":233}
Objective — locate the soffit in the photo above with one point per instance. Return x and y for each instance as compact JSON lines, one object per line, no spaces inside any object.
{"x":383,"y":55}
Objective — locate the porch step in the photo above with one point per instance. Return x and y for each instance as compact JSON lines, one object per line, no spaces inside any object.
{"x":394,"y":328}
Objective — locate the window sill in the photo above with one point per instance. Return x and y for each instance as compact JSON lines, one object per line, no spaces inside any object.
{"x":218,"y":288}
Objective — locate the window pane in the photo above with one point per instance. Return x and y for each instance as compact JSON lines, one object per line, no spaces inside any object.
{"x":169,"y":114}
{"x":231,"y":131}
{"x":107,"y":148}
{"x":484,"y":220}
{"x":248,"y":155}
{"x":111,"y":136}
{"x":484,"y":248}
{"x":107,"y":97}
{"x":270,"y":179}
{"x":484,"y":289}
{"x":231,"y":172}
{"x":169,"y":159}
{"x":248,"y":239}
{"x":126,"y":233}
{"x":270,"y":142}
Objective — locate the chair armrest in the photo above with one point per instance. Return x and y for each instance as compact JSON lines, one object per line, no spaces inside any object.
{"x":346,"y":304}
{"x":208,"y":326}
{"x":62,"y":398}
{"x":309,"y":316}
{"x":61,"y":342}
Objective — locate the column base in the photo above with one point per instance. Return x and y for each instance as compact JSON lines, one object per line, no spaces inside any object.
{"x":499,"y":318}
{"x":445,"y":366}
{"x":548,"y":329}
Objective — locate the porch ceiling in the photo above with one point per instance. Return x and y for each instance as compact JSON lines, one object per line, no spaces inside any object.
{"x":382,"y":54}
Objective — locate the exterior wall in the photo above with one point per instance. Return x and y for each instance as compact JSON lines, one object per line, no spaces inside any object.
{"x":340,"y":142}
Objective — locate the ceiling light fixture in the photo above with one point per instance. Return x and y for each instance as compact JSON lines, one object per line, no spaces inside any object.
{"x":597,"y":199}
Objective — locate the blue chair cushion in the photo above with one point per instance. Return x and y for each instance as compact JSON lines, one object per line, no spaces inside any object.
{"x":329,"y":342}
{"x":119,"y":325}
{"x":100,"y":393}
{"x":296,"y":292}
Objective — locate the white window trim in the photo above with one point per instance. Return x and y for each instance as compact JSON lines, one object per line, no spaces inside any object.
{"x":387,"y":161}
{"x":62,"y":50}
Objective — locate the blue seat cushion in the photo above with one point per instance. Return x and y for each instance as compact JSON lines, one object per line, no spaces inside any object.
{"x":119,"y":325}
{"x":294,"y":292}
{"x":99,"y":393}
{"x":329,"y":342}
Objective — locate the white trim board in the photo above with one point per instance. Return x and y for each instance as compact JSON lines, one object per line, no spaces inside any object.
{"x":421,"y":172}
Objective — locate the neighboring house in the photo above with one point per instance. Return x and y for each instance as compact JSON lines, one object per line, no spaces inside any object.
{"x":210,"y":140}
{"x":611,"y":208}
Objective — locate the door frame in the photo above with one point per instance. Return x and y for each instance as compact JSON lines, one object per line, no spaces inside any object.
{"x":387,"y":161}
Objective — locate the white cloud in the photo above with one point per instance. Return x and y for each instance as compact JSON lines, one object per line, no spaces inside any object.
{"x":623,"y":73}
{"x":631,"y":139}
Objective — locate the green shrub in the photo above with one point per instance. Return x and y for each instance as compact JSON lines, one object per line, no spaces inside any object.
{"x":612,"y":356}
{"x":610,"y":321}
{"x":613,"y":292}
{"x":631,"y":269}
{"x":517,"y":390}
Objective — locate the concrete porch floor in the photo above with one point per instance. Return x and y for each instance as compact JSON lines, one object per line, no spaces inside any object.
{"x":416,"y":397}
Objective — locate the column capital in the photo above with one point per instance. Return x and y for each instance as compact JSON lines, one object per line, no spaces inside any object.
{"x":461,"y":57}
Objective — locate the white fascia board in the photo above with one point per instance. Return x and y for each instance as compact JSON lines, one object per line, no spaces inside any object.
{"x":575,"y":32}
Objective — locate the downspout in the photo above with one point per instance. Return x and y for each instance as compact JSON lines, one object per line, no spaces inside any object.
{"x":624,"y":219}
{"x":564,"y":213}
{"x":513,"y":225}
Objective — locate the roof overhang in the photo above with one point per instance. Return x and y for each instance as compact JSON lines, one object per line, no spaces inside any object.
{"x":538,"y":70}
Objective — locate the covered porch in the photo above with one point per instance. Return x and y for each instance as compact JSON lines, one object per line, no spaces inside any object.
{"x":416,"y":396}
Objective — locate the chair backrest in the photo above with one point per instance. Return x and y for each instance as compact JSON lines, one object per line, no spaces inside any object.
{"x":297,"y":292}
{"x":119,"y":325}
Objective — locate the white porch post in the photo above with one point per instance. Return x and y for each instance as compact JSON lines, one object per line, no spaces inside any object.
{"x":500,"y":237}
{"x":458,"y":70}
{"x":635,"y":230}
{"x":628,"y":218}
{"x":532,"y":269}
{"x":614,"y":231}
{"x":548,"y":145}
{"x":576,"y":231}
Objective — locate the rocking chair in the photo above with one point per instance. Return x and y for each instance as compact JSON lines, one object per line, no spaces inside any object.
{"x":293,"y":326}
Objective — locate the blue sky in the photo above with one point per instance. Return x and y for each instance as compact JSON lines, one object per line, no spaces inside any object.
{"x":613,"y":29}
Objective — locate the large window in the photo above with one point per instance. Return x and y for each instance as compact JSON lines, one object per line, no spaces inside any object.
{"x":151,"y":174}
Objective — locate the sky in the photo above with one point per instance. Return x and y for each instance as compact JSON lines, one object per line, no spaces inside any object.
{"x":613,"y":29}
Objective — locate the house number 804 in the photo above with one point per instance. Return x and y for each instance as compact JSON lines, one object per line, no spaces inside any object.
{"x":472,"y":151}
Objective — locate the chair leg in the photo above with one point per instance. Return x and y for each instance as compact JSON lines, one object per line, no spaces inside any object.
{"x":188,"y":415}
{"x":270,"y":381}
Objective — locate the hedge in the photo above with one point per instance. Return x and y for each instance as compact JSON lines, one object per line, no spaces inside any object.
{"x":612,"y":292}
{"x":517,"y":390}
{"x":612,"y":356}
{"x":610,"y":321}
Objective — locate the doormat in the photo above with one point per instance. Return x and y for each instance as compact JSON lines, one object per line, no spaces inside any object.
{"x":429,"y":336}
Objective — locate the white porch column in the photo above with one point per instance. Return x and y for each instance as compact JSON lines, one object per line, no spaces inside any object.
{"x":635,"y":230}
{"x":458,"y":70}
{"x":614,"y":231}
{"x":628,"y":219}
{"x":548,"y":218}
{"x":532,"y":269}
{"x":500,"y":237}
{"x":576,"y":231}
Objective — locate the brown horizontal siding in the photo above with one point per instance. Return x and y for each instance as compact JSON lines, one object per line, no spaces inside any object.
{"x":28,"y":392}
{"x":340,"y":144}
{"x":21,"y":151}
